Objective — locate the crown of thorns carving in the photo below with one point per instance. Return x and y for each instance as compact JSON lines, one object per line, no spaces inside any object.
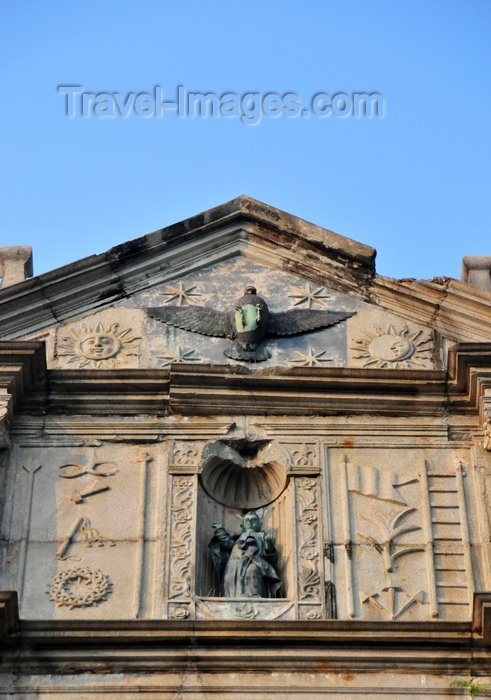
{"x":97,"y":588}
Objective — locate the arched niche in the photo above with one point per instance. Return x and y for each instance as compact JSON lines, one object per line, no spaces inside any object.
{"x":235,"y":479}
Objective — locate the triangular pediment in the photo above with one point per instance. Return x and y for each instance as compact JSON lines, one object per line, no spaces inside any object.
{"x":207,"y":261}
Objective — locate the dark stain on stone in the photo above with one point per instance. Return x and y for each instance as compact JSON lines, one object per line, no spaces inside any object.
{"x":323,"y":666}
{"x":128,"y":249}
{"x":271,"y":214}
{"x":115,"y":291}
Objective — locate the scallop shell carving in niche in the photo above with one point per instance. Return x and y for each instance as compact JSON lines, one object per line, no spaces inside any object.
{"x":237,"y":482}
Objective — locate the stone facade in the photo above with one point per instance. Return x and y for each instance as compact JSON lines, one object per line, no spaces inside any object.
{"x":363,"y":443}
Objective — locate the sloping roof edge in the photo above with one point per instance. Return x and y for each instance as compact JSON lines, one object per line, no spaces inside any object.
{"x":97,"y":281}
{"x":459,"y":310}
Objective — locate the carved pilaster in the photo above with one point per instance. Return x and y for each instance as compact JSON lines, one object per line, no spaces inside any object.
{"x":181,"y":540}
{"x":485,"y":418}
{"x":309,"y":573}
{"x":4,"y":421}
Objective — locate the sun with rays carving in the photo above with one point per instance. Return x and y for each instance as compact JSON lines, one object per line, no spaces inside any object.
{"x":97,"y":346}
{"x":386,"y":348}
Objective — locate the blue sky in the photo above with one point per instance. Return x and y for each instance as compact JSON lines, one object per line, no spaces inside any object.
{"x":414,"y":184}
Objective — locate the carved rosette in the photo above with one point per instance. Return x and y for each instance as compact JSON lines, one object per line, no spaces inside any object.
{"x":179,"y":611}
{"x":183,"y":499}
{"x":309,"y":577}
{"x":310,"y":612}
{"x":246,"y":611}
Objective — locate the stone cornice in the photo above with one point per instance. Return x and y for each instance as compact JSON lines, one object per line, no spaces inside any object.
{"x":287,"y":646}
{"x":230,"y":389}
{"x":210,"y":646}
{"x":115,"y":392}
{"x":216,"y":389}
{"x":459,"y":311}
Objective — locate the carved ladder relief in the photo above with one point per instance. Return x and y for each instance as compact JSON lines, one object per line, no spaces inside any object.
{"x":450,"y":567}
{"x":406,"y":542}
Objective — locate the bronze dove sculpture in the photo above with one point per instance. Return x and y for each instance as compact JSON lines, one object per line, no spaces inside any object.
{"x":247,"y":324}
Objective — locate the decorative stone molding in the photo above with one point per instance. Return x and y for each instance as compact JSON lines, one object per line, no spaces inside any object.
{"x":481,"y":616}
{"x":245,"y":611}
{"x":238,"y":610}
{"x":185,"y":456}
{"x":310,"y":612}
{"x":303,"y":457}
{"x":179,"y":611}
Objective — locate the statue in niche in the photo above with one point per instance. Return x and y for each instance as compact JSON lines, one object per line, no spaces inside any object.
{"x":243,"y":562}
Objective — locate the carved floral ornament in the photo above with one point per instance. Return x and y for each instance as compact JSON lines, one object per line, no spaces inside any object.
{"x":178,"y":612}
{"x":97,"y":346}
{"x":309,"y":579}
{"x":246,"y":611}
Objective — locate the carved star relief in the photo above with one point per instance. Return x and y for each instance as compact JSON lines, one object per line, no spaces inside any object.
{"x":180,"y":295}
{"x":177,"y":355}
{"x":247,"y":323}
{"x":311,"y":359}
{"x":309,"y":296}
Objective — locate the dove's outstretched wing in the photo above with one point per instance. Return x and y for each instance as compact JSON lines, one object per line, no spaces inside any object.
{"x":302,"y":320}
{"x":199,"y":319}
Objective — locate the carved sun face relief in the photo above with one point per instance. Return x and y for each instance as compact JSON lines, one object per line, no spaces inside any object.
{"x":98,"y":347}
{"x":391,"y":349}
